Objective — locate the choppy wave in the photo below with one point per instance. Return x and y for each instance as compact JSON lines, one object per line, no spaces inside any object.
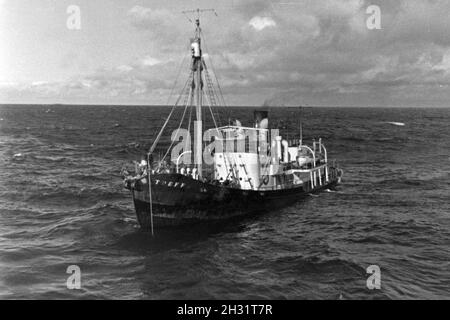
{"x":62,"y":203}
{"x":399,"y":124}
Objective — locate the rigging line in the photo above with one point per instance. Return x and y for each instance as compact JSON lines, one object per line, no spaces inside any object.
{"x":187,"y":92}
{"x":212,"y":88}
{"x":232,"y":172}
{"x":176,"y":135}
{"x":190,"y":116}
{"x":212,"y":93}
{"x":225,"y":160}
{"x":184,"y":88}
{"x":213,"y":69}
{"x":214,"y":120}
{"x":155,"y":142}
{"x":190,"y":119}
{"x":220,"y":97}
{"x":189,"y":102}
{"x":176,"y":79}
{"x":170,"y":97}
{"x":219,"y":119}
{"x":208,"y":99}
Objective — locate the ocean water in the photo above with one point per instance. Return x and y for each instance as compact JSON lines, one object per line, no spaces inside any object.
{"x":62,"y":203}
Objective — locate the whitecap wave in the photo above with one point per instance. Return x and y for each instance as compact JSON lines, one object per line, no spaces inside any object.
{"x":400,"y":124}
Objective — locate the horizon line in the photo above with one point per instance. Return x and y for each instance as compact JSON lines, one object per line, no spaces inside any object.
{"x":229,"y":106}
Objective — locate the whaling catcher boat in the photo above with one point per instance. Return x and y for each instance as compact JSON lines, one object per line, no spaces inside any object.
{"x":232,"y":170}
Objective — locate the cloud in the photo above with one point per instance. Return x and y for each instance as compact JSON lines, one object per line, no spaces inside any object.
{"x":260,"y":23}
{"x":324,"y":47}
{"x":39,"y":83}
{"x":161,"y":26}
{"x":122,"y":84}
{"x":151,"y":18}
{"x":295,"y":52}
{"x":124,"y":68}
{"x":150,"y":61}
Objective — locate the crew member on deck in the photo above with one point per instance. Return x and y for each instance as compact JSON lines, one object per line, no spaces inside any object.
{"x":143,"y":171}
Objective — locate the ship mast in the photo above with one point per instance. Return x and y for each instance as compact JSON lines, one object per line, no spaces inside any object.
{"x":197,"y":84}
{"x":197,"y":65}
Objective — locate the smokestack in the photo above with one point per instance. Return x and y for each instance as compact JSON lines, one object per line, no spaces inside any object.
{"x":261,"y":119}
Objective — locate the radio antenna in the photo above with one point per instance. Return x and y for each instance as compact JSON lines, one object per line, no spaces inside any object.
{"x":197,"y":11}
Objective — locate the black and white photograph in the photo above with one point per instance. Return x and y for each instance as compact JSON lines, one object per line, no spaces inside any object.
{"x":235,"y":151}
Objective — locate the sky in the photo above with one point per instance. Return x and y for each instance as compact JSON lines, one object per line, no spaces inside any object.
{"x":277,"y":53}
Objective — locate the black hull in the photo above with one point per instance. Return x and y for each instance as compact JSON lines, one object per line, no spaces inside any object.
{"x":179,"y":200}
